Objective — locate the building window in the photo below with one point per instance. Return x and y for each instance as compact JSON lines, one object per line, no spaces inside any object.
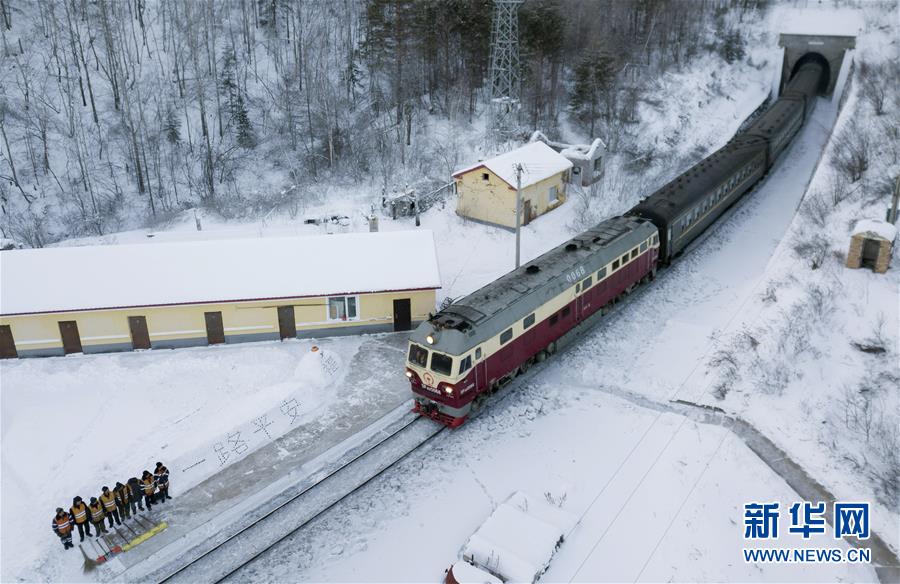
{"x":576,"y":170}
{"x":485,"y":176}
{"x":529,"y":320}
{"x":505,"y":336}
{"x":442,"y":364}
{"x":342,"y":308}
{"x":553,"y":195}
{"x":598,"y":162}
{"x":465,"y":364}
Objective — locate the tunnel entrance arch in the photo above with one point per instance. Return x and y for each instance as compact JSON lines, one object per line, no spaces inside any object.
{"x":827,"y":50}
{"x":825,"y":83}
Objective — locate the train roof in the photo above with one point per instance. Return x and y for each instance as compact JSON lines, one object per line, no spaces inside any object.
{"x":776,"y":117}
{"x":689,"y":187}
{"x":516,"y":294}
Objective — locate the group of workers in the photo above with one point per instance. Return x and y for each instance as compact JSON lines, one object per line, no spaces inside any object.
{"x":117,"y":505}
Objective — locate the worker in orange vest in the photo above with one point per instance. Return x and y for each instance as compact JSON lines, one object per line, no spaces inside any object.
{"x":162,"y":482}
{"x":62,"y":526}
{"x":109,"y":506}
{"x":148,"y":484}
{"x":97,"y":515}
{"x":124,"y":500}
{"x":80,"y":515}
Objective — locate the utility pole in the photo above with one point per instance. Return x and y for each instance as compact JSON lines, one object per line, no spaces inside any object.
{"x":518,"y":210}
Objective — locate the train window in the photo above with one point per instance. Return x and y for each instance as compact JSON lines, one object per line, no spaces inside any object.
{"x":601,"y":274}
{"x":529,"y":320}
{"x":465,"y":364}
{"x":655,"y":239}
{"x":587,"y":282}
{"x":624,"y":259}
{"x":615,"y":265}
{"x":578,"y":287}
{"x":634,"y":253}
{"x":643,"y":246}
{"x":418,"y":355}
{"x":478,"y":353}
{"x":505,"y":336}
{"x":566,"y":311}
{"x":441,"y":363}
{"x":554,"y":318}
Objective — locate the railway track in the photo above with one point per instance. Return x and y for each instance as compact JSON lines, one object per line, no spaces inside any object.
{"x":222,"y":558}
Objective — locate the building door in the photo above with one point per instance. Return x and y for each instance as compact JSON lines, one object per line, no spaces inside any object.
{"x":215,"y":331}
{"x":7,"y":343}
{"x":870,"y":253}
{"x":527,"y":219}
{"x":402,"y":315}
{"x":140,"y":336}
{"x":287,"y":325}
{"x":68,"y":330}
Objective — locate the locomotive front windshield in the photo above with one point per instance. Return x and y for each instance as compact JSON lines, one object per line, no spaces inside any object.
{"x":442,"y":364}
{"x":418,"y":355}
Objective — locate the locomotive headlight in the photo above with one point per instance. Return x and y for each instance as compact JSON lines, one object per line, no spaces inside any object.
{"x":448,"y":390}
{"x":409,"y":373}
{"x":429,"y":339}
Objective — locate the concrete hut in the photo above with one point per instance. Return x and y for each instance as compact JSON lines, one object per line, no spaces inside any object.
{"x":487,"y":190}
{"x":871,"y":245}
{"x":95,"y":299}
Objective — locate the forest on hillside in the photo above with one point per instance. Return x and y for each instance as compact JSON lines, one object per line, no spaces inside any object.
{"x":124,"y":113}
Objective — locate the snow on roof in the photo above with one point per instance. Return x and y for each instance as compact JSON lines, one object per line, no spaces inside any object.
{"x":466,"y":573}
{"x":518,"y":540}
{"x":538,"y":161}
{"x":826,"y":21}
{"x":570,"y":151}
{"x":882,"y":229}
{"x":115,"y":276}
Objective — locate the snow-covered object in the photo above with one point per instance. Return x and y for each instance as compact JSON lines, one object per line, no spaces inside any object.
{"x":570,"y":151}
{"x":518,"y":540}
{"x":465,"y":573}
{"x":118,"y":276}
{"x":814,"y":21}
{"x":876,"y":227}
{"x":538,"y":161}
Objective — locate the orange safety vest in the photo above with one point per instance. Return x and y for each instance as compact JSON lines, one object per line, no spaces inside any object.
{"x":62,"y":524}
{"x":97,"y":513}
{"x":122,"y":495}
{"x":80,"y":513}
{"x":149,"y":486}
{"x":109,"y":503}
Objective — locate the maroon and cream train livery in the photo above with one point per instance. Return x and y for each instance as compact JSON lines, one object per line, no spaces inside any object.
{"x":468,"y":349}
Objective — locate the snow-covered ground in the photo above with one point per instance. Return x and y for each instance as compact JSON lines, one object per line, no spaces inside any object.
{"x":660,"y":496}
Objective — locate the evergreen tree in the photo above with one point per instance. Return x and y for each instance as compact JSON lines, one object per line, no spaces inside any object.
{"x":594,"y":75}
{"x":171,"y":126}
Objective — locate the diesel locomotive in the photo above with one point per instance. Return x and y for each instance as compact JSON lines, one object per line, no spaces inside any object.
{"x":471,"y":348}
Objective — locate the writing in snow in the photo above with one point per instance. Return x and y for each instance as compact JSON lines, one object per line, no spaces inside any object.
{"x":806,"y":518}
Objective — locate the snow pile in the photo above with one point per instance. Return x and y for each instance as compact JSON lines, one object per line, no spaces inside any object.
{"x":116,"y":276}
{"x":466,"y":573}
{"x":538,"y":161}
{"x":882,"y":229}
{"x":519,"y":539}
